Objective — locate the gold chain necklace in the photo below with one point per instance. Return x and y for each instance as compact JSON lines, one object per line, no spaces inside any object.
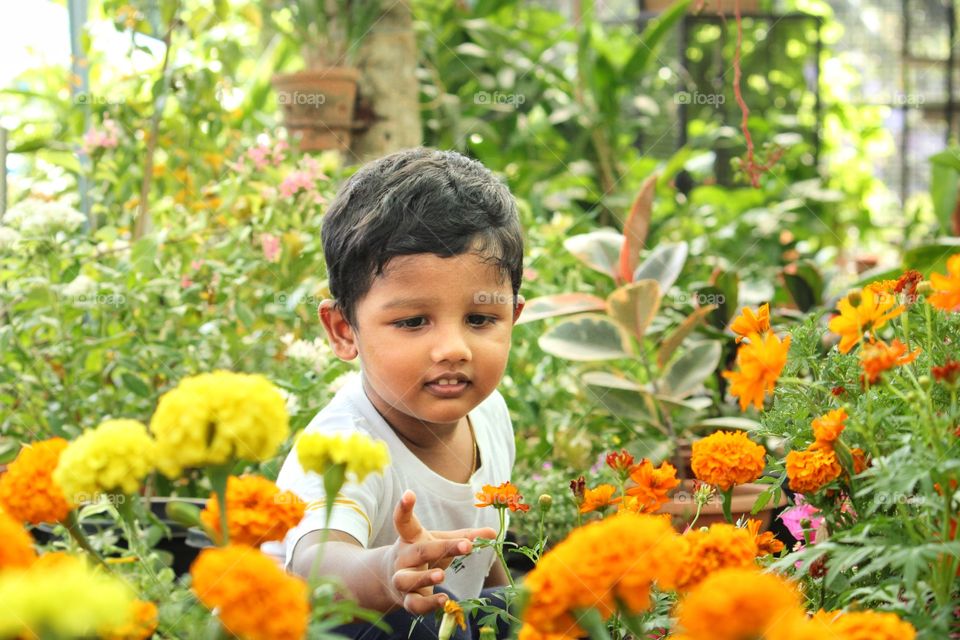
{"x":474,"y":465}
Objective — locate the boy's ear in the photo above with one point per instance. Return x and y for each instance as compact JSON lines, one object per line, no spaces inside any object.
{"x":516,"y":311}
{"x":340,"y":334}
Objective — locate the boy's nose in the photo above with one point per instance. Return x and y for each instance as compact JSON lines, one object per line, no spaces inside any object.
{"x":450,"y":345}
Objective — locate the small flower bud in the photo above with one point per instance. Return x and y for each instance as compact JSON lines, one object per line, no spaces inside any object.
{"x":924,"y":288}
{"x":925,"y":381}
{"x":545,"y":501}
{"x":488,"y":633}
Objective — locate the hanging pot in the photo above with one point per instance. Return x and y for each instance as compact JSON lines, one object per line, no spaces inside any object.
{"x":318,"y":106}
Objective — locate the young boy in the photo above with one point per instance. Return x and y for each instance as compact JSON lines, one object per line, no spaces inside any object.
{"x":425,"y":255}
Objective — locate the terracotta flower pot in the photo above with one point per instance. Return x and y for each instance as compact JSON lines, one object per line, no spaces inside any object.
{"x":682,"y":507}
{"x":318,"y":106}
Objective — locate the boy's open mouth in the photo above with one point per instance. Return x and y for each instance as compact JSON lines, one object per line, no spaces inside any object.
{"x":448,"y":386}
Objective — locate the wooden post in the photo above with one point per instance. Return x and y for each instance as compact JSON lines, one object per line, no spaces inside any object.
{"x":389,"y":90}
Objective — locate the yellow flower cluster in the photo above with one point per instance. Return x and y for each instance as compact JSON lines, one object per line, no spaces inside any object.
{"x":64,"y":599}
{"x":704,"y":552}
{"x":214,"y":418}
{"x":112,"y":458}
{"x":360,"y":454}
{"x":596,"y":567}
{"x":254,"y":598}
{"x":726,"y":458}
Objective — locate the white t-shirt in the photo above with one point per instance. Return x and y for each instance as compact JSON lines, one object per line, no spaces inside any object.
{"x":365,"y":510}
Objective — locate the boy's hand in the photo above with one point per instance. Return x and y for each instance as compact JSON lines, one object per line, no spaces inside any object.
{"x":418,"y":557}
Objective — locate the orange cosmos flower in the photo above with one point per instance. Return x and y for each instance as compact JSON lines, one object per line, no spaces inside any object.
{"x":27,"y":489}
{"x":877,"y":357}
{"x":502,"y":497}
{"x":827,"y":428}
{"x":872,"y":312}
{"x":254,"y":597}
{"x":748,"y":322}
{"x":17,"y":547}
{"x":760,"y":363}
{"x":907,"y":285}
{"x":726,"y":458}
{"x":598,"y":498}
{"x":737,"y":603}
{"x":652,"y":485}
{"x":767,"y":544}
{"x":257,"y":511}
{"x":864,"y":625}
{"x":811,"y":469}
{"x":597,"y":567}
{"x":946,"y":288}
{"x":707,"y":551}
{"x":620,"y":461}
{"x":947,"y":373}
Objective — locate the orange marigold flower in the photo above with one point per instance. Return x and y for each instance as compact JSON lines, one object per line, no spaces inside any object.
{"x":827,"y":428}
{"x":864,"y":625}
{"x":652,"y":484}
{"x":506,"y":495}
{"x":946,"y":288}
{"x":620,"y":461}
{"x":948,"y":373}
{"x":598,"y":498}
{"x":760,"y":363}
{"x":597,"y":567}
{"x":255,"y":598}
{"x":704,"y":552}
{"x":16,"y":550}
{"x":811,"y":469}
{"x":143,"y":623}
{"x":872,"y":312}
{"x":734,"y":604}
{"x":749,"y":322}
{"x":452,"y":615}
{"x":726,"y":458}
{"x":877,"y":357}
{"x":767,"y":544}
{"x":257,"y":511}
{"x":27,"y":489}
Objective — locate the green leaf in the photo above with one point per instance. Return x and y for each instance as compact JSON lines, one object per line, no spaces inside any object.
{"x":599,"y":250}
{"x":135,"y":384}
{"x":245,"y":315}
{"x":944,"y":177}
{"x":932,"y":257}
{"x":650,"y":40}
{"x":664,"y":264}
{"x":586,"y":338}
{"x":805,"y":286}
{"x":688,"y":372}
{"x":560,"y":305}
{"x":684,"y":329}
{"x":619,"y":396}
{"x":635,"y":305}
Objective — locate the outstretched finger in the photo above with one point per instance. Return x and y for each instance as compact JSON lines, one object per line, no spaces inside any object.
{"x":404,"y":520}
{"x":431,"y":552}
{"x":469,"y":534}
{"x":420,"y":605}
{"x":422,"y":582}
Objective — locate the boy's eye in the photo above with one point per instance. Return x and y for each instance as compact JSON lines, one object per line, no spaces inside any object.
{"x":410,"y":323}
{"x":477,"y":320}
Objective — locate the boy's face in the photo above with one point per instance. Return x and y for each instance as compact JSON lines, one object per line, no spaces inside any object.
{"x":427,"y":321}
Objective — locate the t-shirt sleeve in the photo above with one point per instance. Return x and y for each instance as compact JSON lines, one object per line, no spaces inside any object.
{"x":355,"y":509}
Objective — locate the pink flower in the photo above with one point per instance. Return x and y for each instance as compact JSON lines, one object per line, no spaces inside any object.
{"x":801,"y":518}
{"x":106,"y":138}
{"x":259,"y":156}
{"x":271,"y":247}
{"x":185,"y":282}
{"x":294,"y":182}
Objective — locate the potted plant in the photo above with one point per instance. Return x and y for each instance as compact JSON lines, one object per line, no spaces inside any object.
{"x":318,"y":102}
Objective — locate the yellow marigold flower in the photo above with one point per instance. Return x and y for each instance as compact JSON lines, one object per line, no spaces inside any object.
{"x":749,"y":322}
{"x":760,"y":363}
{"x":113,"y":458}
{"x":255,"y":599}
{"x":62,"y":600}
{"x":827,"y":428}
{"x":811,"y":469}
{"x":766,"y":543}
{"x":501,"y":497}
{"x":946,"y":288}
{"x":215,"y":418}
{"x":142,"y":625}
{"x":735,"y":604}
{"x":873,"y":311}
{"x":864,"y":625}
{"x":596,"y":567}
{"x":361,"y":454}
{"x":726,"y":458}
{"x":877,"y":357}
{"x":652,"y":484}
{"x":598,"y":498}
{"x":16,"y":549}
{"x":28,"y":491}
{"x":702,"y":553}
{"x":257,"y":511}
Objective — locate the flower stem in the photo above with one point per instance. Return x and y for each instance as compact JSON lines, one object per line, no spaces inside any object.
{"x":218,"y":481}
{"x":727,"y":504}
{"x":76,"y":532}
{"x":498,"y":545}
{"x":593,"y":624}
